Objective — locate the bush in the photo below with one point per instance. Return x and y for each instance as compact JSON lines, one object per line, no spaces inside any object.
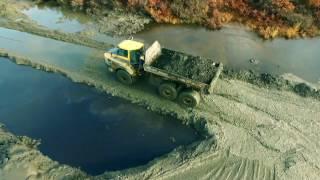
{"x":284,"y":5}
{"x":314,"y":3}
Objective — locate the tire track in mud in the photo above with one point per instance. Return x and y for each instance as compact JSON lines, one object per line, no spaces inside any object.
{"x":275,"y":117}
{"x":290,"y":119}
{"x":221,"y":165}
{"x":222,"y":115}
{"x":294,"y":129}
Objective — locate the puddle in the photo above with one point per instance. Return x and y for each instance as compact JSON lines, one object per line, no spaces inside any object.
{"x":65,"y":20}
{"x":82,"y":127}
{"x":58,"y":19}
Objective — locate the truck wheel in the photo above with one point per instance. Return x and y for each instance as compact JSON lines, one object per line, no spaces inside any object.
{"x":168,"y":91}
{"x":124,"y":77}
{"x":189,"y":98}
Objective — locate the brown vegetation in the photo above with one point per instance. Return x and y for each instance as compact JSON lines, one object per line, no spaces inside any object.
{"x":161,"y":10}
{"x":270,"y":18}
{"x":285,"y":5}
{"x":314,"y":3}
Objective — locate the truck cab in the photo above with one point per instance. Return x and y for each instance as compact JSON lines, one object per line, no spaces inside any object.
{"x":126,"y":60}
{"x":129,"y":60}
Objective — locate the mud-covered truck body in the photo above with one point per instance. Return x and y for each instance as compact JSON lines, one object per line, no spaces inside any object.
{"x":177,"y":75}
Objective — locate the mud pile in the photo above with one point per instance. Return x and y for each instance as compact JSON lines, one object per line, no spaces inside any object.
{"x":192,"y":67}
{"x":121,"y":22}
{"x":266,"y":80}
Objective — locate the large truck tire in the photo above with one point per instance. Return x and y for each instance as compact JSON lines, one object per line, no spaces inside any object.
{"x":124,"y":77}
{"x":168,"y":90}
{"x":189,"y":98}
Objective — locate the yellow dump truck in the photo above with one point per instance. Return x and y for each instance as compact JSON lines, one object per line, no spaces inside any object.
{"x":129,"y":60}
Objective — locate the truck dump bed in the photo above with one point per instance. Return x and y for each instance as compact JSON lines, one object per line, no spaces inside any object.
{"x":191,"y":67}
{"x":193,"y":71}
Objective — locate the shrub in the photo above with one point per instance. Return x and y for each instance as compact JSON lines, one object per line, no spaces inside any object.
{"x":314,"y":3}
{"x":284,"y":5}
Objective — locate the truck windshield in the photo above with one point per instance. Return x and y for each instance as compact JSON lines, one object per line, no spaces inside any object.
{"x":120,"y":52}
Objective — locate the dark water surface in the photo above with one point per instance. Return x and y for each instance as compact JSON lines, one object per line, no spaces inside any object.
{"x":82,"y":127}
{"x":58,"y":18}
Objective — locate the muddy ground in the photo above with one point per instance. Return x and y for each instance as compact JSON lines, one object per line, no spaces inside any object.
{"x":256,"y":127}
{"x":195,"y":67}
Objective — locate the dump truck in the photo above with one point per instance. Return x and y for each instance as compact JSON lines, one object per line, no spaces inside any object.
{"x":164,"y":68}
